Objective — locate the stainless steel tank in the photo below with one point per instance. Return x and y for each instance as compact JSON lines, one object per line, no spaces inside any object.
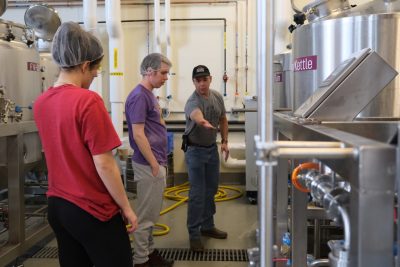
{"x":48,"y":67}
{"x":282,"y":91}
{"x":320,"y":45}
{"x":20,"y":79}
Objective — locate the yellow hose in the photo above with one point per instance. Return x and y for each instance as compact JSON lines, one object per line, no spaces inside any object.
{"x":173,"y":193}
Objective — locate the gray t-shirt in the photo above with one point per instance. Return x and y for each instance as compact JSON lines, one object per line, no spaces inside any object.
{"x":213,"y":109}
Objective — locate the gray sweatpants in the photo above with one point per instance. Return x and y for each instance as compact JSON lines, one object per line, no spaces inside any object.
{"x":148,"y":206}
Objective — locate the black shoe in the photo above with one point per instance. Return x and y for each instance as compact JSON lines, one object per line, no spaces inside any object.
{"x":145,"y":264}
{"x":155,"y":260}
{"x":196,"y":245}
{"x":214,"y":233}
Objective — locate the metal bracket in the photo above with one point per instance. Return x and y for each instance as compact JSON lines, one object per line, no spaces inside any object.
{"x":266,"y":153}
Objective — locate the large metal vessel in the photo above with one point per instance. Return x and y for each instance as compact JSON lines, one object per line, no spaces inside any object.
{"x":20,"y":80}
{"x":331,"y":37}
{"x":282,"y":91}
{"x":48,"y":67}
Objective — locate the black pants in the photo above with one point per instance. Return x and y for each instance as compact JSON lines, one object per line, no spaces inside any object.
{"x":85,"y":241}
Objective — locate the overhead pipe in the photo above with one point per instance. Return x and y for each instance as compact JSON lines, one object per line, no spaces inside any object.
{"x":117,"y":65}
{"x":90,"y":24}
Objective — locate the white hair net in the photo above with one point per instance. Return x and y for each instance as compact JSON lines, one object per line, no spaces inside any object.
{"x":72,"y":46}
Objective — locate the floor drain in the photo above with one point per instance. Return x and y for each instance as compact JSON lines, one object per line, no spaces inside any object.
{"x":178,"y":254}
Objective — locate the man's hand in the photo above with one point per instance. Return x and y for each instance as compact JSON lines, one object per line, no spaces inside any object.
{"x":155,"y":168}
{"x":206,"y":124}
{"x":225,"y":151}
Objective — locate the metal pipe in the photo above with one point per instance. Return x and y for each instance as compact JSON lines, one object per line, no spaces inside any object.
{"x":346,"y":227}
{"x":320,"y":153}
{"x":319,"y":263}
{"x":317,"y":238}
{"x":265,"y":50}
{"x":305,"y":144}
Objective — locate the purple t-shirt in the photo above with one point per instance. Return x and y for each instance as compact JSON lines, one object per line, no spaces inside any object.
{"x":142,"y":107}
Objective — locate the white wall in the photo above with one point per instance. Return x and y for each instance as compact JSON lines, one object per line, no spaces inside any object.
{"x":193,"y":43}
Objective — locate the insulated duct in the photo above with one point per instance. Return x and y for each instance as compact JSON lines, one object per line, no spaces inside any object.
{"x":116,"y":62}
{"x":90,"y":24}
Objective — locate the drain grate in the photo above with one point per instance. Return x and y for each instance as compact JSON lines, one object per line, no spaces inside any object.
{"x":178,"y":254}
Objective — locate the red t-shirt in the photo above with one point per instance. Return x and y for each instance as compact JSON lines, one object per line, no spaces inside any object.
{"x":74,"y":125}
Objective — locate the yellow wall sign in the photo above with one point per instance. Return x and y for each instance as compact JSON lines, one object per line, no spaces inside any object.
{"x":116,"y":73}
{"x":115,"y":58}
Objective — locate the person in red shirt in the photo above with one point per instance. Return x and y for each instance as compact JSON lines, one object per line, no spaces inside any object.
{"x":87,"y":203}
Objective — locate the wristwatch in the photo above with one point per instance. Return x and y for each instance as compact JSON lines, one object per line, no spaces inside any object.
{"x":224,"y":141}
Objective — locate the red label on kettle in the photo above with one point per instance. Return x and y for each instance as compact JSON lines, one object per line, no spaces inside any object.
{"x":32,"y":66}
{"x":305,"y":63}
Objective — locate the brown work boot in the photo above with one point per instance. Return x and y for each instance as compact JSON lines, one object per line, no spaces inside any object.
{"x":196,"y":245}
{"x":144,"y":264}
{"x":214,"y":233}
{"x":156,"y":260}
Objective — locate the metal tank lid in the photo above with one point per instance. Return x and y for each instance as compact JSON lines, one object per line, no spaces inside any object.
{"x":318,"y":9}
{"x":43,"y":19}
{"x":371,"y":8}
{"x":3,"y":6}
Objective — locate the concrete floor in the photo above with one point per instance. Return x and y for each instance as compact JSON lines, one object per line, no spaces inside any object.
{"x":237,"y":217}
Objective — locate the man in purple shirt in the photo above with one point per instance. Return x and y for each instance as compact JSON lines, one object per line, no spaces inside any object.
{"x":148,"y":138}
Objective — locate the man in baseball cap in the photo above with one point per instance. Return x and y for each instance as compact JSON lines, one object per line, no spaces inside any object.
{"x":205,"y":113}
{"x":200,"y":71}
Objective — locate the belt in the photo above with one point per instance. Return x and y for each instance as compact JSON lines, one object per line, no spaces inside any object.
{"x":197,"y":145}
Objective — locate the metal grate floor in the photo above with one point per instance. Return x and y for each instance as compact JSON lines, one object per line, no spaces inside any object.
{"x":178,"y":254}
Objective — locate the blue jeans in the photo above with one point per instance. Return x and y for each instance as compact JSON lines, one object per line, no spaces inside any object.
{"x":203,"y":169}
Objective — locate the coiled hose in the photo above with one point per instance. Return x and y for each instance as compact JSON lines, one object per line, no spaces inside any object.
{"x":174,"y":193}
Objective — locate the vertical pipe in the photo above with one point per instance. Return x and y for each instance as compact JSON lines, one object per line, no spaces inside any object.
{"x":265,"y":49}
{"x":117,"y":64}
{"x":237,"y":52}
{"x":157,"y":41}
{"x":167,"y":11}
{"x":148,"y":29}
{"x":225,"y":57}
{"x":157,"y":45}
{"x":397,"y":188}
{"x":246,"y":44}
{"x":90,"y":24}
{"x":90,"y":15}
